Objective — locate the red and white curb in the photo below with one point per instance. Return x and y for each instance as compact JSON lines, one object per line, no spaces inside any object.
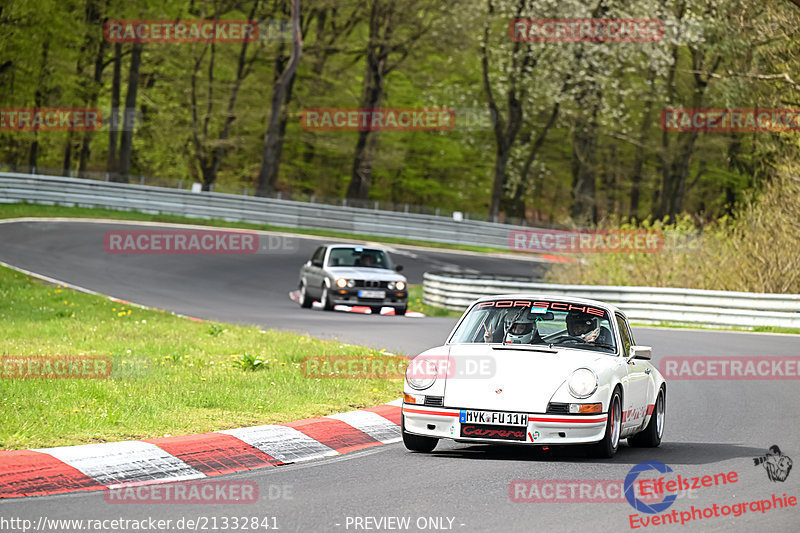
{"x":295,"y":297}
{"x":118,"y":464}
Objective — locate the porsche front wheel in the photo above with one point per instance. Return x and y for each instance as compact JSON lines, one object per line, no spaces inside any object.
{"x":651,"y":436}
{"x":417,"y":443}
{"x":608,"y":446}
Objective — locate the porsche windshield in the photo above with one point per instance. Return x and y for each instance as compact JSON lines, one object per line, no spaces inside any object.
{"x":537,"y":323}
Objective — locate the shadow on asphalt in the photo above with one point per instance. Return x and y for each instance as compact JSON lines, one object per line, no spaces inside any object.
{"x":673,"y":453}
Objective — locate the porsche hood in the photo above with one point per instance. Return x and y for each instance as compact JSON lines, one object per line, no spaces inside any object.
{"x":510,"y":378}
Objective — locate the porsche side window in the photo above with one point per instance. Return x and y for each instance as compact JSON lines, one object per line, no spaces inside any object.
{"x":625,"y":335}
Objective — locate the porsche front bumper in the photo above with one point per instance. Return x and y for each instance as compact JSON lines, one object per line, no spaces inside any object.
{"x":542,"y":429}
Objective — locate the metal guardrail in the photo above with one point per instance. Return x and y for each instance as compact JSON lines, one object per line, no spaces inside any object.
{"x":55,"y":190}
{"x":641,"y":304}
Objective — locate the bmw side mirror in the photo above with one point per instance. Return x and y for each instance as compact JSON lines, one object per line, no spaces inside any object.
{"x":398,"y":268}
{"x":641,"y":352}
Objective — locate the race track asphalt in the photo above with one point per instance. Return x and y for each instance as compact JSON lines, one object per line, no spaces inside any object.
{"x":712,"y":426}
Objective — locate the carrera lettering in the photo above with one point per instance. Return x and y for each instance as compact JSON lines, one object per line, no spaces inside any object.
{"x":492,"y":432}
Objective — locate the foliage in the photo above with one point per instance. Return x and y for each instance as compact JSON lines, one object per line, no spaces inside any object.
{"x":754,"y":251}
{"x":731,"y":53}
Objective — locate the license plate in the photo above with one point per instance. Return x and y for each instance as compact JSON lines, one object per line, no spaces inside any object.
{"x":372,"y":294}
{"x":493,"y":417}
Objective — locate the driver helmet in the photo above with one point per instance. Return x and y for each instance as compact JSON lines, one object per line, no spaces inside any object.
{"x":579,"y":323}
{"x":521,"y":331}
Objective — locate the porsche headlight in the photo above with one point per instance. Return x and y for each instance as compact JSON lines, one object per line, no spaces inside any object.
{"x":341,"y":283}
{"x":582,"y":383}
{"x":421,"y":373}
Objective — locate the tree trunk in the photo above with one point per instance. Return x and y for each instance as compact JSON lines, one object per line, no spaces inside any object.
{"x":584,"y":146}
{"x":639,"y":156}
{"x":535,"y":147}
{"x":129,"y":117}
{"x":361,"y":176}
{"x":98,"y":45}
{"x":39,"y":97}
{"x":273,"y":139}
{"x":379,"y":48}
{"x":112,"y":166}
{"x":67,"y":162}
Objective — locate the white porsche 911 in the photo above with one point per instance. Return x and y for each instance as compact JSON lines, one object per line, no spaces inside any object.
{"x":537,"y":370}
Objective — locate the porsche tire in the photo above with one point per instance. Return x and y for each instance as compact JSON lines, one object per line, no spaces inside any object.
{"x":607,"y":447}
{"x":417,"y":443}
{"x":651,"y":436}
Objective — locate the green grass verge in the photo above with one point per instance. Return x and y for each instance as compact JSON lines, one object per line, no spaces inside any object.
{"x":35,"y":210}
{"x":415,"y":304}
{"x":171,"y":375}
{"x":749,"y":329}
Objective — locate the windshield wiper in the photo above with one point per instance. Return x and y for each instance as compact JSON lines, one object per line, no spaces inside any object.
{"x":523,"y":347}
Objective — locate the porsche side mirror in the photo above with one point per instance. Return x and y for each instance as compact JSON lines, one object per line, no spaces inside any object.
{"x":398,"y":268}
{"x":641,"y":352}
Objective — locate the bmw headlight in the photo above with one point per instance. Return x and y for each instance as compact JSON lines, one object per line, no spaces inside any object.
{"x":341,"y":283}
{"x":399,"y":285}
{"x":582,"y":383}
{"x":421,"y":373}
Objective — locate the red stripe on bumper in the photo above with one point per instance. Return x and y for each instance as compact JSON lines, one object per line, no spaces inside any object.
{"x":214,"y":454}
{"x":420,"y":411}
{"x":575,"y":420}
{"x":650,"y":408}
{"x":335,"y":434}
{"x":29,"y":473}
